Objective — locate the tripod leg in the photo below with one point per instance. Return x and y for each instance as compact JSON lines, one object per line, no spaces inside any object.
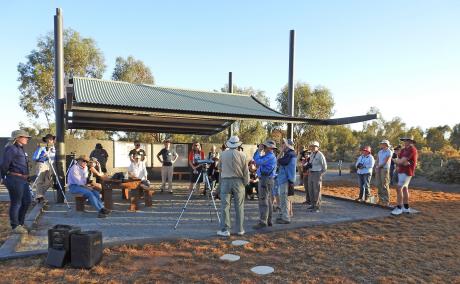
{"x":59,"y":184}
{"x":186,"y":203}
{"x":213,"y":201}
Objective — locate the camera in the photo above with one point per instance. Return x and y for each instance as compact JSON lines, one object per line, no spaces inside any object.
{"x":308,"y":166}
{"x":360,"y":165}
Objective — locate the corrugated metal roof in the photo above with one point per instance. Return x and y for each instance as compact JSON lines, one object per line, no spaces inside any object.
{"x":121,"y":94}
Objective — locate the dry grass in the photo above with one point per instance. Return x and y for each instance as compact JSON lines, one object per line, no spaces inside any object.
{"x":410,"y":249}
{"x":5,"y":227}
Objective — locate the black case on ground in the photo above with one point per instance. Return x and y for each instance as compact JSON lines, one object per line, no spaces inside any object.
{"x":86,"y":249}
{"x":59,"y":245}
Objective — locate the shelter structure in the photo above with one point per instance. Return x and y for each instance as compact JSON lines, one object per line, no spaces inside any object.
{"x":120,"y":106}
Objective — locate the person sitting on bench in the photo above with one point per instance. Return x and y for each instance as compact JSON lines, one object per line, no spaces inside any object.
{"x":77,"y":180}
{"x":138,"y":170}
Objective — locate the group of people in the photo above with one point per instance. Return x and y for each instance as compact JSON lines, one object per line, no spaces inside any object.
{"x":274,"y":174}
{"x":398,"y":165}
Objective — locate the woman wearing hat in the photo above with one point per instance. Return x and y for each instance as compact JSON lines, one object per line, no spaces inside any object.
{"x":382,"y":172}
{"x":364,"y":166}
{"x":15,"y":172}
{"x":407,"y":162}
{"x":44,"y":156}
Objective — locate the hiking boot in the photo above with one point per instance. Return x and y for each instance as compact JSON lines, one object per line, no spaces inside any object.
{"x":397,"y":211}
{"x":20,"y":230}
{"x":270,"y":224}
{"x":223,"y":233}
{"x":106,"y":211}
{"x":170,"y":191}
{"x":101,"y":214}
{"x":259,"y":226}
{"x":241,"y":233}
{"x":310,"y":208}
{"x":282,"y":221}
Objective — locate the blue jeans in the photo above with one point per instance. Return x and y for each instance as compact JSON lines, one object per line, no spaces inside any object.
{"x":20,"y":199}
{"x":92,"y":195}
{"x":364,"y":185}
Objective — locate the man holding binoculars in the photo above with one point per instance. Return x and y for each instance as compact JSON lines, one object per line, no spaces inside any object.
{"x":364,"y":166}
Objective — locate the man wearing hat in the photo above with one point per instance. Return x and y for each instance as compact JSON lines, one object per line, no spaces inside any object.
{"x":382,"y":172}
{"x":78,"y":179}
{"x":364,"y":166}
{"x":101,"y":156}
{"x":286,"y":178}
{"x":407,"y":162}
{"x":45,"y":157}
{"x":234,"y":175}
{"x":265,"y":160}
{"x":15,"y":172}
{"x":168,"y":158}
{"x":318,"y":167}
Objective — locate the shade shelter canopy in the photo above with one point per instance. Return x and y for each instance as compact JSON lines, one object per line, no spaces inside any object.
{"x":119,"y":106}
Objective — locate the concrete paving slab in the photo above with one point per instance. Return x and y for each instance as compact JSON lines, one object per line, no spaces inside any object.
{"x":199,"y":220}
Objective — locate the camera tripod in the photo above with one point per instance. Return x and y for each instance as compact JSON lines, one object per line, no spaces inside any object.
{"x":203,"y":173}
{"x":57,"y":179}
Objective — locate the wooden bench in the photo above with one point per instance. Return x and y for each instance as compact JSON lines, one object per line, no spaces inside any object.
{"x":79,"y":202}
{"x":179,"y":174}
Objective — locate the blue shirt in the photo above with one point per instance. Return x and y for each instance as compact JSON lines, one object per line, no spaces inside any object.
{"x":39,"y":155}
{"x":266,"y":164}
{"x":287,"y":167}
{"x":15,"y":160}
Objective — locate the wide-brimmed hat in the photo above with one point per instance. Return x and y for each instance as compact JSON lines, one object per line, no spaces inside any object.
{"x":93,"y":159}
{"x":233,"y":142}
{"x":384,"y":141}
{"x":270,"y":144}
{"x":408,"y":138}
{"x":314,"y":143}
{"x":48,"y":136}
{"x":367,"y":149}
{"x":83,"y":158}
{"x":19,"y":133}
{"x":289,"y":143}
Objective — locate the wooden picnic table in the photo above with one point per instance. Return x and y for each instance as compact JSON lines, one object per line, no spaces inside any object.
{"x":130,"y":190}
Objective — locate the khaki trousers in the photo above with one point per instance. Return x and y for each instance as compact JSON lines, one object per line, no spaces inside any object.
{"x":383,"y":184}
{"x":166,"y":176}
{"x":315,"y":180}
{"x":44,"y":180}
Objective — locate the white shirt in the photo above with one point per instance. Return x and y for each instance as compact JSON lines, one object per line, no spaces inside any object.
{"x":77,"y":175}
{"x":138,"y":170}
{"x":318,"y":162}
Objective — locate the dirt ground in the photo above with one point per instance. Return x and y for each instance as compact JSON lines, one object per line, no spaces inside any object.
{"x":418,"y":248}
{"x":4,"y":222}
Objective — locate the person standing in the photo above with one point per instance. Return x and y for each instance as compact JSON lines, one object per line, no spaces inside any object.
{"x":168,"y":158}
{"x":44,"y":156}
{"x":406,"y":162}
{"x":137,"y":151}
{"x":265,"y":160}
{"x":364,"y":166}
{"x":15,"y":172}
{"x":213,"y":170}
{"x":286,"y":178}
{"x":305,"y":160}
{"x":193,"y":156}
{"x":101,"y":155}
{"x":382,"y":172}
{"x":234,"y":176}
{"x":253,"y":181}
{"x":318,"y":167}
{"x":78,"y":184}
{"x":393,"y":166}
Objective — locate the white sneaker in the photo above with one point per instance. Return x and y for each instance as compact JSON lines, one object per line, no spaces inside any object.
{"x":397,"y":211}
{"x":241,"y":233}
{"x":404,"y":210}
{"x":223,"y":233}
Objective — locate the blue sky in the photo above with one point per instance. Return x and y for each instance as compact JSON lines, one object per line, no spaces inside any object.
{"x":402,"y":57}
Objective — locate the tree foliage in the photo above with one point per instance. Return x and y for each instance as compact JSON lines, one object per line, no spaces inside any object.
{"x":132,"y":71}
{"x":455,"y":136}
{"x":310,"y":103}
{"x":435,"y":137}
{"x":36,"y":75}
